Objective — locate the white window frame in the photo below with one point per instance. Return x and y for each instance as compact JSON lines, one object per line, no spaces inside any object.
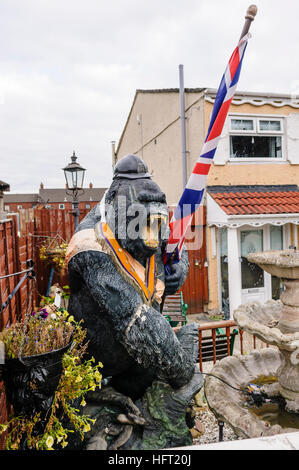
{"x":87,"y":206}
{"x":240,"y":131}
{"x":259,"y":131}
{"x":256,"y":119}
{"x":19,"y":206}
{"x":61,"y":206}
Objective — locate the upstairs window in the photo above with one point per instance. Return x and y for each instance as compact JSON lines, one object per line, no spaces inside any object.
{"x":255,"y":138}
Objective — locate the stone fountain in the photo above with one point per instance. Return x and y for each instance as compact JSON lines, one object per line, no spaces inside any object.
{"x":276,"y":370}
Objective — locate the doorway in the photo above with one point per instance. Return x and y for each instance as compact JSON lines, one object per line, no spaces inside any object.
{"x":252,"y":276}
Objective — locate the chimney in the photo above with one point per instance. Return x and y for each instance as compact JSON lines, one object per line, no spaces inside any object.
{"x":90,"y":185}
{"x":41,"y":185}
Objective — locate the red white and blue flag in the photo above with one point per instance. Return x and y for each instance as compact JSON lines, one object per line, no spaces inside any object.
{"x":192,"y":196}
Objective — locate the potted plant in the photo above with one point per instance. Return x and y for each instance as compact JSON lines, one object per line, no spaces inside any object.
{"x":44,"y":375}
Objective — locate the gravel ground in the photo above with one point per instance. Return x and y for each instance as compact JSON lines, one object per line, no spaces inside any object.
{"x":211,"y":430}
{"x":208,"y":431}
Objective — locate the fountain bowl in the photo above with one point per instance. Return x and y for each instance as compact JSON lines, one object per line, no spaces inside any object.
{"x":279,"y":263}
{"x":228,"y":404}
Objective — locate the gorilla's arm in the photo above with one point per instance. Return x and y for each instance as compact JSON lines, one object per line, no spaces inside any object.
{"x":141,"y":329}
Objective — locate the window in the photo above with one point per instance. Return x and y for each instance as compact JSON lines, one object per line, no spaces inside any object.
{"x":61,"y":206}
{"x":256,"y":138}
{"x":19,"y":206}
{"x":6,"y":208}
{"x":48,"y":206}
{"x":87,"y":206}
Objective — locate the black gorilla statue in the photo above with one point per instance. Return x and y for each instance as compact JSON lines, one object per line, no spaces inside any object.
{"x":117,"y":280}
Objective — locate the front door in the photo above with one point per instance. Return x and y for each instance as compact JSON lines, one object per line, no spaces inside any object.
{"x":252,"y":276}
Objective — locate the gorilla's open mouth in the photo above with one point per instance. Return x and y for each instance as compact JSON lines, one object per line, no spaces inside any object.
{"x":151,"y":233}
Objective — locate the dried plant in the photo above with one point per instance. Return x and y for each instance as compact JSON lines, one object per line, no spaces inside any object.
{"x":41,"y":333}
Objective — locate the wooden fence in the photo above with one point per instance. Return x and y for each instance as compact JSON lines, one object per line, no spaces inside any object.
{"x":14,"y":251}
{"x":21,"y":237}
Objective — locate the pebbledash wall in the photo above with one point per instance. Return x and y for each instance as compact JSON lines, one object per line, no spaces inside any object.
{"x":226,"y":172}
{"x":153,"y":131}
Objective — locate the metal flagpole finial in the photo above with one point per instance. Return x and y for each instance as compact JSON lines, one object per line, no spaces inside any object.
{"x":250,"y":15}
{"x":251,"y":12}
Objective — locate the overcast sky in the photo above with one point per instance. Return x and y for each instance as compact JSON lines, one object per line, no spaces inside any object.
{"x":69,"y":70}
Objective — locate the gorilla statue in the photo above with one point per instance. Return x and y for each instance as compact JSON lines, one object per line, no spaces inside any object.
{"x":117,"y":280}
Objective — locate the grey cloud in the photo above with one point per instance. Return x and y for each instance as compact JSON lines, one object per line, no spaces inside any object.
{"x":69,"y":70}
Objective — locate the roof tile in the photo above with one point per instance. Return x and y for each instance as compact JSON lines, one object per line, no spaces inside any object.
{"x":264,"y":200}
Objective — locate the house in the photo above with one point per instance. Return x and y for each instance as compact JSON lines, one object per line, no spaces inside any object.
{"x":252,"y":197}
{"x":3,"y":187}
{"x":56,"y":198}
{"x":16,"y":202}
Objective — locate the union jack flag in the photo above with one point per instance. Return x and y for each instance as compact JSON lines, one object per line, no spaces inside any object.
{"x":192,"y":196}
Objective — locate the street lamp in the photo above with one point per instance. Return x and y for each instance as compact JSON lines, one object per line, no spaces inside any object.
{"x":74,"y":177}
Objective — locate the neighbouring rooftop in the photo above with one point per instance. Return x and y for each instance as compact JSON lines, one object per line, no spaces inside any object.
{"x":55,"y":195}
{"x":258,"y":199}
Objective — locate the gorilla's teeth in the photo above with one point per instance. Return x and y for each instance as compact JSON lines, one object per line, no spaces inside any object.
{"x":151,"y":237}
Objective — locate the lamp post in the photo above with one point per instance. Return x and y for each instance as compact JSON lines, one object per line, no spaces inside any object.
{"x":74,"y":176}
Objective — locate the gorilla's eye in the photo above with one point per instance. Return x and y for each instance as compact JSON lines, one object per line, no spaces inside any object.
{"x":146,"y":196}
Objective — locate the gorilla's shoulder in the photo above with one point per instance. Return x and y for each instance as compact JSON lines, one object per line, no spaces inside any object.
{"x":90,"y":220}
{"x":92,"y":261}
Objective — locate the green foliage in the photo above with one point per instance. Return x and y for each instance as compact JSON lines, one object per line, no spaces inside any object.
{"x":66,"y":292}
{"x":216,"y":317}
{"x":46,"y":300}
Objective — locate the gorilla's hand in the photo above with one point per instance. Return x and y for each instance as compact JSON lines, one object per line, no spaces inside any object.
{"x":173,"y":280}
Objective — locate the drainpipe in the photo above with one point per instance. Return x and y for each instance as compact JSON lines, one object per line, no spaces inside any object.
{"x":113,"y":154}
{"x":183,"y":124}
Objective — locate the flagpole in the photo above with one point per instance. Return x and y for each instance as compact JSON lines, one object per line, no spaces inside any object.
{"x":183,"y":124}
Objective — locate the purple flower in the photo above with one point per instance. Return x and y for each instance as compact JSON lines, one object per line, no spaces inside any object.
{"x":33,"y":313}
{"x":43,"y":313}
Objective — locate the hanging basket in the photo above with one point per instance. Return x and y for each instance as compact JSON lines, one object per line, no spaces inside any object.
{"x":53,"y":253}
{"x":31,"y":382}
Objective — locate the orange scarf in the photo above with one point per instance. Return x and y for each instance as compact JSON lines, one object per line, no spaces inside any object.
{"x":130,"y":265}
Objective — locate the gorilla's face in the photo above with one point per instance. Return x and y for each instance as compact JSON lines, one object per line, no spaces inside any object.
{"x":140,"y":213}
